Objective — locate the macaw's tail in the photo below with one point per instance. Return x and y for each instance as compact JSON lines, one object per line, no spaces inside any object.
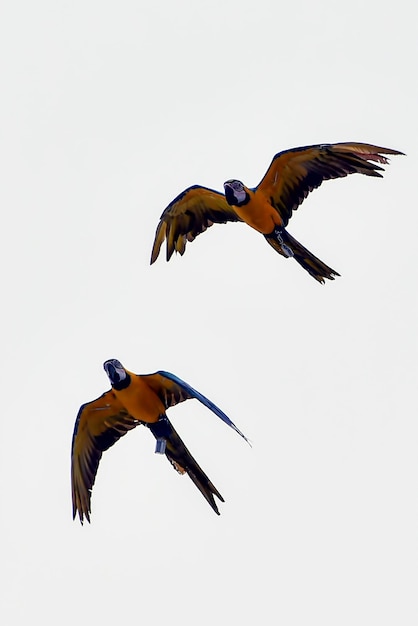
{"x":181,"y":459}
{"x":287,"y":246}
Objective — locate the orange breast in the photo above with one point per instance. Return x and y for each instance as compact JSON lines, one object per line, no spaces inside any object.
{"x":259,"y":213}
{"x":141,"y":401}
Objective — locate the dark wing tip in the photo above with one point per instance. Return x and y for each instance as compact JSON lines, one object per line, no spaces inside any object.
{"x":82,"y":513}
{"x":160,"y":235}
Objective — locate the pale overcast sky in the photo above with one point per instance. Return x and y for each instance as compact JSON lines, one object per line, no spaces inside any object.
{"x":109,"y":110}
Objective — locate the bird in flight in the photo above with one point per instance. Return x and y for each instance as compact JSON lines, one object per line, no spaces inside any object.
{"x":132,"y":400}
{"x":268,"y":207}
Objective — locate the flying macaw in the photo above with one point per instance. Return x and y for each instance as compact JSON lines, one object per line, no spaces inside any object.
{"x":268,"y":207}
{"x":132,"y":400}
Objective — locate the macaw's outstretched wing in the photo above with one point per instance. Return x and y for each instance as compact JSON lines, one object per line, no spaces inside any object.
{"x":294,"y":173}
{"x":98,"y":426}
{"x":188,"y":215}
{"x":182,"y":461}
{"x":172,"y":390}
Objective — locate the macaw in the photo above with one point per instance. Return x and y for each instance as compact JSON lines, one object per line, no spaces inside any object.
{"x":132,"y":400}
{"x":268,"y":207}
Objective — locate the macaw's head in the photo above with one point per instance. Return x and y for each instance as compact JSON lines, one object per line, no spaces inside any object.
{"x":235,"y":193}
{"x":118,"y":376}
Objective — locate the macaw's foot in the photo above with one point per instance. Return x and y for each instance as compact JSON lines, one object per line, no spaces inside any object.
{"x":160,"y":446}
{"x":161,"y":432}
{"x":286,"y":250}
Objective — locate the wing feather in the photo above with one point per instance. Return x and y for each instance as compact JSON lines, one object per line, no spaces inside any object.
{"x":188,"y":215}
{"x":98,"y":426}
{"x":172,"y":390}
{"x":294,"y":173}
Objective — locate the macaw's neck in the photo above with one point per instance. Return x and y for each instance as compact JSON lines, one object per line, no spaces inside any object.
{"x":259,"y":213}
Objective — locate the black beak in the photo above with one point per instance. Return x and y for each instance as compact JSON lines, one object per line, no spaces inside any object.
{"x":229,"y":194}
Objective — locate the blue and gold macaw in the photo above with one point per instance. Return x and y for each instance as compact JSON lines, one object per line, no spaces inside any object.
{"x":132,"y":400}
{"x":268,"y":207}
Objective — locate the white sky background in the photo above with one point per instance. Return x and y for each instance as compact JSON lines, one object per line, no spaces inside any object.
{"x":109,"y":110}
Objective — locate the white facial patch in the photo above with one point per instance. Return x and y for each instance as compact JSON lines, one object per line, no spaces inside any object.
{"x":121,"y":372}
{"x":240,"y":195}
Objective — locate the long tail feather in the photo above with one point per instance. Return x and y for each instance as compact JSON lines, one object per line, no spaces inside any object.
{"x":183,"y":462}
{"x":287,"y":246}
